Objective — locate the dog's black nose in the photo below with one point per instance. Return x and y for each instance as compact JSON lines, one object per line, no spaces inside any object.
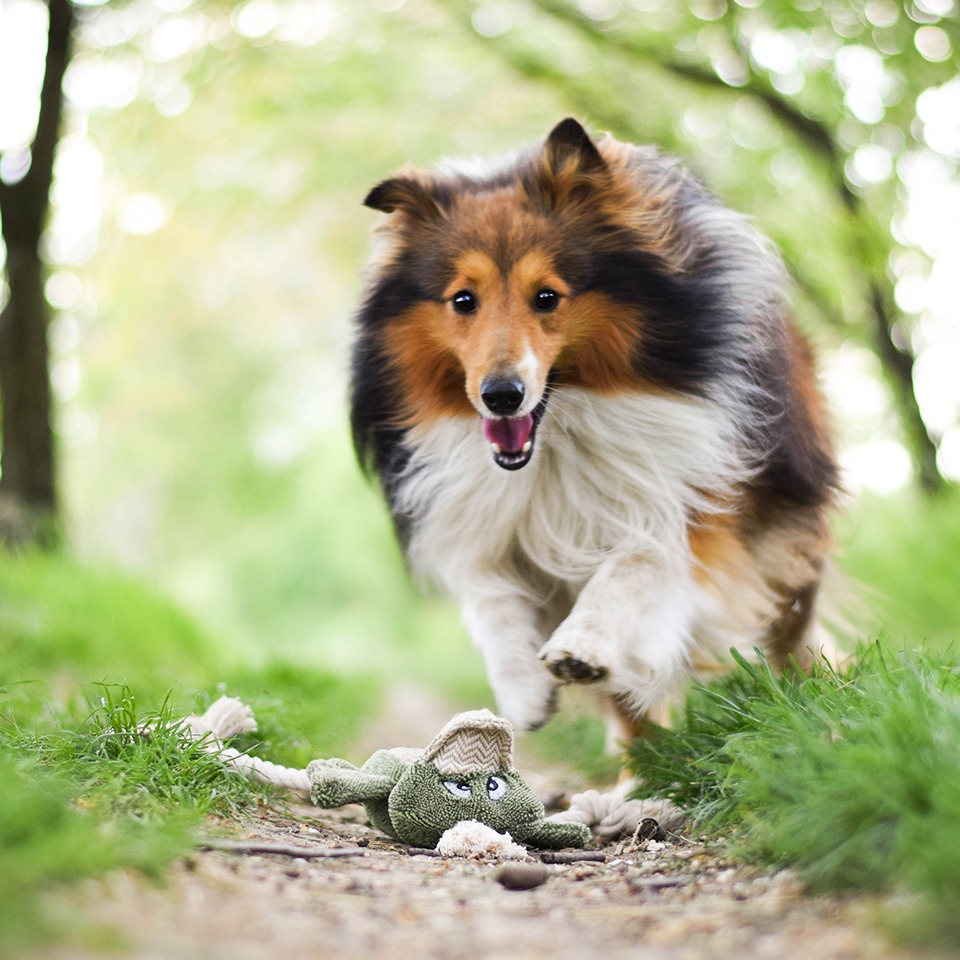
{"x":501,"y":396}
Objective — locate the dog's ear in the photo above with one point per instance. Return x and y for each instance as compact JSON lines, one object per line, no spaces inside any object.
{"x":569,"y":149}
{"x":569,"y":168}
{"x":404,"y":193}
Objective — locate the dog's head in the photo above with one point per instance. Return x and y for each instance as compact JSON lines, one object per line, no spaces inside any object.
{"x":491,"y":288}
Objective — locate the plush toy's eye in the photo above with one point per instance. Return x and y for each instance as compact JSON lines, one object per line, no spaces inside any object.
{"x":496,"y":788}
{"x":459,"y":790}
{"x":464,"y":302}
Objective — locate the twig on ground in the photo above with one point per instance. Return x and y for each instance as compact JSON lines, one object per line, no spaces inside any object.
{"x":572,"y":856}
{"x":282,"y":849}
{"x":658,"y":883}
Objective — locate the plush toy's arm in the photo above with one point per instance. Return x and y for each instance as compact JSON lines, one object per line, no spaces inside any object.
{"x":336,"y":782}
{"x":555,"y":836}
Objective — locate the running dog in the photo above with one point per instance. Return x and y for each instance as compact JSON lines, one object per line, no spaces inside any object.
{"x":575,"y":377}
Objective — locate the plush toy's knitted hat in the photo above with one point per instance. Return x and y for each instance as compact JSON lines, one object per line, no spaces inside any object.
{"x":474,"y":741}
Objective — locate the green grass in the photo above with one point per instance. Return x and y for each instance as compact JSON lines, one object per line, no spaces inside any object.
{"x":119,"y":788}
{"x":578,"y":741}
{"x":48,"y":839}
{"x":852,"y":776}
{"x":96,"y":673}
{"x":64,"y":625}
{"x":302,"y":712}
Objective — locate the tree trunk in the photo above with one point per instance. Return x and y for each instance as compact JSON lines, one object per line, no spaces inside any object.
{"x":27,"y":470}
{"x":27,"y":462}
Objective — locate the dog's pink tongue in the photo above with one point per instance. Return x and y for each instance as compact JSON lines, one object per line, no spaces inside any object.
{"x":508,"y":434}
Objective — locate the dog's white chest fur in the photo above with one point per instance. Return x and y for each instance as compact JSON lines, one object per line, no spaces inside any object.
{"x":610,"y":475}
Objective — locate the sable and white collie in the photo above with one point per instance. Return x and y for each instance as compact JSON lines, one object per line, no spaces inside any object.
{"x":575,"y":378}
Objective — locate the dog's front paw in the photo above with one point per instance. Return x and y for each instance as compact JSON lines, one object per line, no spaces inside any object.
{"x":570,"y":667}
{"x":573,"y":654}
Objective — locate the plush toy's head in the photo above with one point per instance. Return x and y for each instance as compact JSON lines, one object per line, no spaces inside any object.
{"x":465,"y":774}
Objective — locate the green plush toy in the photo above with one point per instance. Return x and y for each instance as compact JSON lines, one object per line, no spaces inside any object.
{"x":466,"y":773}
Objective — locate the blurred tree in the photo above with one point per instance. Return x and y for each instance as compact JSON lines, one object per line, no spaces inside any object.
{"x":841,"y":80}
{"x":27,"y":477}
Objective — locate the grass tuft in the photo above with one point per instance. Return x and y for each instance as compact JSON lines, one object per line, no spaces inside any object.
{"x":120,"y":789}
{"x":852,"y":776}
{"x":48,"y":839}
{"x":125,"y":761}
{"x":96,"y":674}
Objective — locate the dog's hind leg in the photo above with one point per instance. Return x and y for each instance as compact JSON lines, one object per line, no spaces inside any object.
{"x":624,"y":725}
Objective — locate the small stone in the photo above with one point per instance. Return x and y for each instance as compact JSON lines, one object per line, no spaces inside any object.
{"x":650,"y":829}
{"x":522,"y":876}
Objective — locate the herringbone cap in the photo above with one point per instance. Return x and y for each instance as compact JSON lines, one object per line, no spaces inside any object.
{"x":472,"y":742}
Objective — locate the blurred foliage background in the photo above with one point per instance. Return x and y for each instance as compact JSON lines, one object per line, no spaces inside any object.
{"x":206,"y":235}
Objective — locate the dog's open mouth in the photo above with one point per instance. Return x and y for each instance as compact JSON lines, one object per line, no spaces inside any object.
{"x":511,"y":439}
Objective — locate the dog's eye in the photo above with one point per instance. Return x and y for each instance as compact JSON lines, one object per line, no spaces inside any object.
{"x":464,"y":302}
{"x":496,"y":788}
{"x":456,"y":789}
{"x":546,"y":300}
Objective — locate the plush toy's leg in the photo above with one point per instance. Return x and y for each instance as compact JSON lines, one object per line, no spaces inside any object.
{"x":336,"y":782}
{"x":341,"y":764}
{"x":554,"y":835}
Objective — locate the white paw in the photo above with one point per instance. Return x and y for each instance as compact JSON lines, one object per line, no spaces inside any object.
{"x":574,"y":655}
{"x":571,"y":658}
{"x":579,"y":650}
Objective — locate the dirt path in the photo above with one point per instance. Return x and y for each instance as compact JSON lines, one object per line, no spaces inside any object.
{"x":672,"y":901}
{"x":668,"y":902}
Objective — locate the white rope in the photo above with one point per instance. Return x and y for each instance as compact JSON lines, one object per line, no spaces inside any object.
{"x":265,"y":771}
{"x":611,"y":815}
{"x":226,"y":719}
{"x":472,"y":839}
